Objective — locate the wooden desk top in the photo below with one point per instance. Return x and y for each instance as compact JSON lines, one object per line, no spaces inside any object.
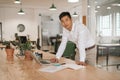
{"x":19,"y":69}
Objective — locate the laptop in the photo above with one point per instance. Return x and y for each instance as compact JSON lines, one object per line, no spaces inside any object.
{"x":38,"y":57}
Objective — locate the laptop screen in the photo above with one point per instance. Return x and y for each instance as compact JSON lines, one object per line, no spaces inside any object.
{"x":39,"y":58}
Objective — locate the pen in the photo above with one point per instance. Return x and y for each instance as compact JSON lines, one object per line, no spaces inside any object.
{"x":62,"y":63}
{"x":58,"y":64}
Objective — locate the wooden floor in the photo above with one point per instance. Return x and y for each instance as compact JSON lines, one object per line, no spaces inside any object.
{"x":113,"y":60}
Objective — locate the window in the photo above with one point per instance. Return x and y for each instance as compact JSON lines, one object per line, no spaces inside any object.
{"x":117,"y":24}
{"x":109,"y":25}
{"x":105,"y":27}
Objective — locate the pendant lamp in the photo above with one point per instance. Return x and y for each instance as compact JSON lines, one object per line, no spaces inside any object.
{"x":75,"y":14}
{"x":73,"y":1}
{"x":21,"y":12}
{"x":53,"y":8}
{"x":17,"y":2}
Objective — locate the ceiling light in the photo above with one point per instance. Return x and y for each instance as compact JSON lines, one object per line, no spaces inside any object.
{"x":52,"y":7}
{"x":75,"y":14}
{"x":17,"y":1}
{"x":98,"y":6}
{"x":88,"y":6}
{"x":108,"y":7}
{"x":21,"y":12}
{"x":96,"y":2}
{"x":96,"y":11}
{"x":116,"y":4}
{"x":73,"y":1}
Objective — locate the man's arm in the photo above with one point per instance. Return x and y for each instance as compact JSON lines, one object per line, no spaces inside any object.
{"x":81,"y":48}
{"x":61,"y":48}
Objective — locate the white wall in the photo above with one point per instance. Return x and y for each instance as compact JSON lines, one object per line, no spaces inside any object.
{"x":50,"y":25}
{"x":10,"y":19}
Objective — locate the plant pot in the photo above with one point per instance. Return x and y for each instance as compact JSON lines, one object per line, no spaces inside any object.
{"x":9,"y":53}
{"x":28,"y":55}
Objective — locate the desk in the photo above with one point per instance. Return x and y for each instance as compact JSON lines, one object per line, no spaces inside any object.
{"x":107,"y":49}
{"x":20,"y":69}
{"x":2,"y":46}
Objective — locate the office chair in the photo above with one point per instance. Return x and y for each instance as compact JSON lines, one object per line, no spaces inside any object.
{"x":70,"y":50}
{"x":118,"y":65}
{"x":22,"y":40}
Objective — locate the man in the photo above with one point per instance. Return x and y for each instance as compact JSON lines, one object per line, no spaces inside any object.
{"x":78,"y":34}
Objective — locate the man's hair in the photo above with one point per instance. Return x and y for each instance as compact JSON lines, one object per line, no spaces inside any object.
{"x":64,"y":14}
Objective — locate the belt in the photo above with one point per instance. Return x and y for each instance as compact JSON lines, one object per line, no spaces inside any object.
{"x":89,"y":47}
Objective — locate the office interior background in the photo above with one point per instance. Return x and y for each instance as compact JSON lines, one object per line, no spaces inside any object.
{"x":102,"y":17}
{"x":102,"y":22}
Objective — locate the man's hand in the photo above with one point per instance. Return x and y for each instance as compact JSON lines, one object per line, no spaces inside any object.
{"x":54,"y":60}
{"x":81,"y":63}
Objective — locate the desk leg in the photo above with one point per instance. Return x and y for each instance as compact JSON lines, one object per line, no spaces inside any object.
{"x":107,"y":56}
{"x":97,"y":55}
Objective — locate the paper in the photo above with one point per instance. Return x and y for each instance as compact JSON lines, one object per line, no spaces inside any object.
{"x":74,"y":66}
{"x":52,"y":69}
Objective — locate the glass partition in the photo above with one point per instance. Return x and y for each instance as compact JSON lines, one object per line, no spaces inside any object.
{"x":0,"y":31}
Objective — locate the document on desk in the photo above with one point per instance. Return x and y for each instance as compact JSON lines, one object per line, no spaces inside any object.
{"x":52,"y":69}
{"x":74,"y":66}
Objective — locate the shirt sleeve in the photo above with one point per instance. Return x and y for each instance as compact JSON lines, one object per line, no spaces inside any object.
{"x":81,"y":45}
{"x":62,"y":46}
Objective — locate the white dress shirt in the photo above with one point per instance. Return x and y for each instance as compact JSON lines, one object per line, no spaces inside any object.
{"x":79,"y":35}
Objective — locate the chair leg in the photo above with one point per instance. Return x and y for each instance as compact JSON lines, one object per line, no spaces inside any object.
{"x":118,"y":66}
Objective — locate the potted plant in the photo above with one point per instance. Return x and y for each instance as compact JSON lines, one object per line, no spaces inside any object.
{"x":9,"y":50}
{"x":26,"y":47}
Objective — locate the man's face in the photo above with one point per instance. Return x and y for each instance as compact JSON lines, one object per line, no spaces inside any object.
{"x":66,"y":22}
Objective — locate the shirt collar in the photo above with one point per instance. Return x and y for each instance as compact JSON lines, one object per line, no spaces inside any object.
{"x":73,"y":26}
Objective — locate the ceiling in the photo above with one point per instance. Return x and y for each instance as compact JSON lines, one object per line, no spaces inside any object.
{"x":106,"y":2}
{"x":43,"y":5}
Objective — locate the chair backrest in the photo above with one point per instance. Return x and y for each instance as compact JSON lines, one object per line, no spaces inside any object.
{"x":70,"y":50}
{"x":22,"y":39}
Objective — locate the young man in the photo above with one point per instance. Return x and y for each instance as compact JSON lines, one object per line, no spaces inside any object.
{"x":79,"y":34}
